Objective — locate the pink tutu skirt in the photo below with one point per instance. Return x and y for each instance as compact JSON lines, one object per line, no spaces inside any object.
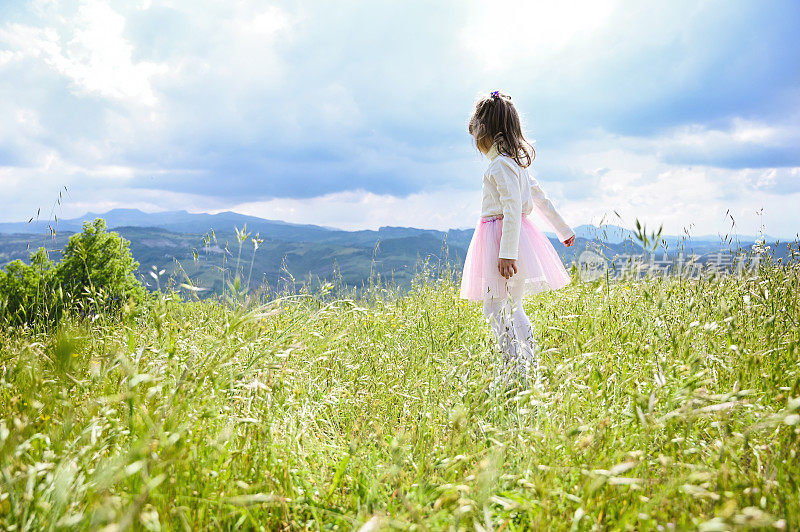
{"x":539,"y":268}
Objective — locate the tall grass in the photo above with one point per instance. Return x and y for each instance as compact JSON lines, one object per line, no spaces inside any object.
{"x":665,"y":403}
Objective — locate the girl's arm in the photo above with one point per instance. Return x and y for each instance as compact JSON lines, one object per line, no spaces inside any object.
{"x":508,"y":186}
{"x":548,"y":210}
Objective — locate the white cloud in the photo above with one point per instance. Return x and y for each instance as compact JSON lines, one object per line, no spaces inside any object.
{"x":707,"y":143}
{"x":267,"y":23}
{"x":89,"y":50}
{"x":630,"y":176}
{"x":499,"y":32}
{"x":442,"y":209}
{"x":632,"y":102}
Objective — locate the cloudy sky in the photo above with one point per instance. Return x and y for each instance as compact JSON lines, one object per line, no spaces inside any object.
{"x":353,"y":114}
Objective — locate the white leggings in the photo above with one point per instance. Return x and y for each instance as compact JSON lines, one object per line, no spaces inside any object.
{"x":513,"y":331}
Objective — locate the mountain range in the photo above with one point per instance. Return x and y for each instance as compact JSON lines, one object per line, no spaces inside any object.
{"x":200,"y":247}
{"x":186,"y":222}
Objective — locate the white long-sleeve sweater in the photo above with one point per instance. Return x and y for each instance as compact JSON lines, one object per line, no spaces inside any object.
{"x":508,"y":189}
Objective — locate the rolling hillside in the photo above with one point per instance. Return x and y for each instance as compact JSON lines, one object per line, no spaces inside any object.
{"x":198,"y":248}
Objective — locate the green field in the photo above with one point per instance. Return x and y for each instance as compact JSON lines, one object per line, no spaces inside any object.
{"x":665,"y":404}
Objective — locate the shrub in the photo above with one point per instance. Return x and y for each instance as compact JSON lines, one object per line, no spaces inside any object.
{"x":29,"y":292}
{"x":95,"y":274}
{"x":99,"y":263}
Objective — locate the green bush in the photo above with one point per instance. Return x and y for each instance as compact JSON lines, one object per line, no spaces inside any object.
{"x":30,"y":292}
{"x":96,"y":274}
{"x":99,"y":263}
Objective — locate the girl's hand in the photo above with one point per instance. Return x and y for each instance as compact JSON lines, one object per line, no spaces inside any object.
{"x":507,"y":267}
{"x":571,"y":240}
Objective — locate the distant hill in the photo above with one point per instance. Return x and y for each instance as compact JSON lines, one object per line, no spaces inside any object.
{"x":224,"y":222}
{"x":182,"y":244}
{"x":186,"y":222}
{"x":616,"y":234}
{"x":176,"y":221}
{"x":199,"y":246}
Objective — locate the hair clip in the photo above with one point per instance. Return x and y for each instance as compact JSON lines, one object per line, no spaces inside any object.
{"x":495,"y":94}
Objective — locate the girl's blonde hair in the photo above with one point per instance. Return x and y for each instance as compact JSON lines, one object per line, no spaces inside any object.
{"x":495,"y":119}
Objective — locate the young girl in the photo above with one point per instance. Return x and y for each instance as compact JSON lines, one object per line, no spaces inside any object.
{"x":508,"y":256}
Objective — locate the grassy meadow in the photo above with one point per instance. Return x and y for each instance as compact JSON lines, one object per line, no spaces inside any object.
{"x":664,"y":404}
